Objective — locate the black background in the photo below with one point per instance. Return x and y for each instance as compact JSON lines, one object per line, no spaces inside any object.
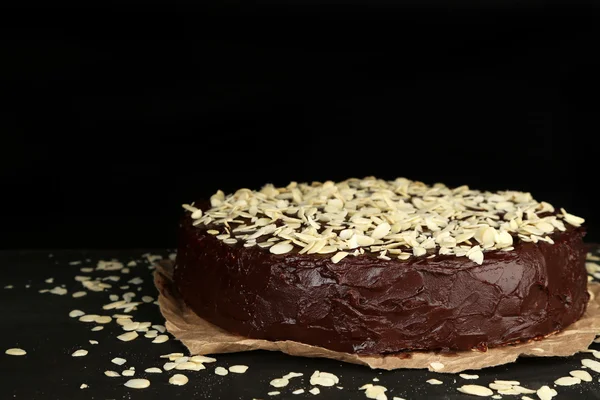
{"x":115,"y":114}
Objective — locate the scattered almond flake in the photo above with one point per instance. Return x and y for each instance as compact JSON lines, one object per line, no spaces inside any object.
{"x":128,"y":372}
{"x":434,"y":382}
{"x":83,"y":386}
{"x":567,"y":381}
{"x":591,"y":364}
{"x":298,"y":391}
{"x":151,"y":334}
{"x":49,"y":280}
{"x":583,"y":375}
{"x":113,"y":297}
{"x":111,"y":374}
{"x":596,"y":353}
{"x":79,"y":294}
{"x":153,"y":370}
{"x":526,"y":398}
{"x":496,"y":396}
{"x":128,"y":336}
{"x":137,"y":383}
{"x":469,"y":376}
{"x":40,"y":291}
{"x":202,"y":359}
{"x":397,"y":398}
{"x":323,"y":379}
{"x":76,"y":313}
{"x":130,"y":326}
{"x":97,"y":328}
{"x":88,"y":318}
{"x":169,"y":366}
{"x":93,"y":341}
{"x":15,"y":352}
{"x":375,"y":379}
{"x":103,"y":319}
{"x":86,"y":270}
{"x":476,"y":390}
{"x":238,"y":369}
{"x":279,"y":382}
{"x":136,"y":281}
{"x":572,"y":219}
{"x":80,"y":278}
{"x":499,"y":386}
{"x":147,"y":299}
{"x":545,"y":393}
{"x":118,"y":361}
{"x":503,"y":382}
{"x":274,"y":393}
{"x":315,"y":391}
{"x":131,"y":264}
{"x":180,"y":360}
{"x":221,"y":371}
{"x":160,"y":339}
{"x":171,"y":355}
{"x":374,"y":391}
{"x":178,"y":380}
{"x":172,"y":256}
{"x":79,"y":353}
{"x":161,"y":329}
{"x":436,"y":366}
{"x":339,"y":256}
{"x":523,"y":390}
{"x":76,"y":262}
{"x":189,"y":366}
{"x":125,"y":271}
{"x":58,"y":290}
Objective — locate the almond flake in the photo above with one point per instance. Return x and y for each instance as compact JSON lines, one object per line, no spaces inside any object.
{"x":178,"y":380}
{"x":15,"y":352}
{"x":137,"y":383}
{"x":567,"y":381}
{"x":476,"y":390}
{"x":221,"y":371}
{"x":126,"y":337}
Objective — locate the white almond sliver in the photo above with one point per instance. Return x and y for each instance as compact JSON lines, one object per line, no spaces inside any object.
{"x":15,"y":352}
{"x":476,"y":390}
{"x":126,"y":337}
{"x":545,"y":393}
{"x":137,"y":383}
{"x":238,"y":369}
{"x":434,"y":382}
{"x":160,"y":339}
{"x":111,"y":374}
{"x":178,"y":380}
{"x":76,"y":314}
{"x":279,"y":382}
{"x":118,"y":361}
{"x":469,"y":376}
{"x":221,"y":371}
{"x":567,"y":381}
{"x":583,"y":375}
{"x":153,"y":370}
{"x":591,"y":364}
{"x":79,"y":353}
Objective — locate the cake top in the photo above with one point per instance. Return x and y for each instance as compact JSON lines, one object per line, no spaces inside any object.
{"x":393,"y":219}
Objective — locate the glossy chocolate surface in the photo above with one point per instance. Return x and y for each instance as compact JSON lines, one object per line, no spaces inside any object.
{"x":371,"y":306}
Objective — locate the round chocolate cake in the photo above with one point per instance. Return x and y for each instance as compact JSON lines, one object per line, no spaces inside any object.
{"x":371,"y":266}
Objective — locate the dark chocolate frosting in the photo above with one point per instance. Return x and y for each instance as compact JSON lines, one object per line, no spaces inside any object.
{"x":371,"y":306}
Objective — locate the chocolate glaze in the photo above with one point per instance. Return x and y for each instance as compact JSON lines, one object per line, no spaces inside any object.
{"x":370,"y":306}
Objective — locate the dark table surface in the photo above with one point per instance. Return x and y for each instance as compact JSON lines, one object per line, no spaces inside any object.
{"x":39,"y":323}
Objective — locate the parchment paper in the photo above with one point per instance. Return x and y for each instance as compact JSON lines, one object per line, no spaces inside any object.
{"x":202,"y":337}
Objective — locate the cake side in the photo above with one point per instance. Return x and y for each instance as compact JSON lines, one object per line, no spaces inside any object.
{"x":372,"y":306}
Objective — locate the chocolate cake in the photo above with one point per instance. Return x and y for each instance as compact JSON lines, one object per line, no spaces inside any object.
{"x":370,"y":266}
